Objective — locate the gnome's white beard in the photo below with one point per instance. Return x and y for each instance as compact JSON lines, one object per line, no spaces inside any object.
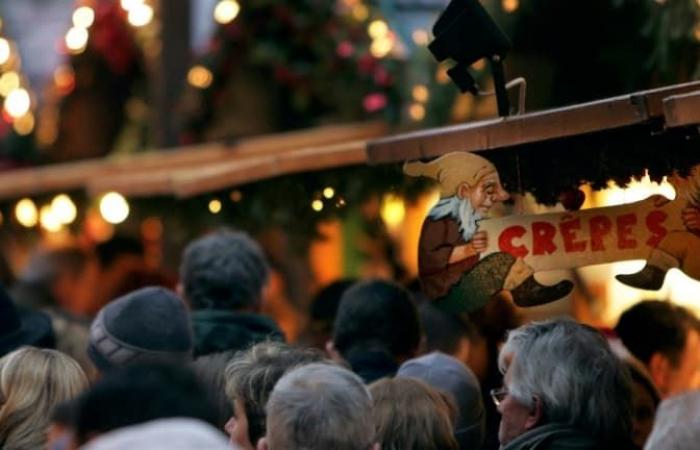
{"x":461,"y":211}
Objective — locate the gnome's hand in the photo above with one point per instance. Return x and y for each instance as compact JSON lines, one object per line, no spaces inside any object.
{"x":691,"y":218}
{"x":480,"y":241}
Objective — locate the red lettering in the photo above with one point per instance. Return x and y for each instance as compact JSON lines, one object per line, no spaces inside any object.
{"x":624,"y":231}
{"x":543,"y":238}
{"x":600,"y":226}
{"x":568,"y":233}
{"x":505,"y":241}
{"x":655,"y":224}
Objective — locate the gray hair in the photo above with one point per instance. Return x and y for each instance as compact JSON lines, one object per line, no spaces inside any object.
{"x":571,"y":369}
{"x":319,"y":407}
{"x":223,"y":270}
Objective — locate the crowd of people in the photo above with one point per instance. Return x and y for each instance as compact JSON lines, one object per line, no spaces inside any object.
{"x":379,"y":366}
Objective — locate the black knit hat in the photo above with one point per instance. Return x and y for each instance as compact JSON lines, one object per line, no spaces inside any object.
{"x":20,"y":326}
{"x":144,"y":326}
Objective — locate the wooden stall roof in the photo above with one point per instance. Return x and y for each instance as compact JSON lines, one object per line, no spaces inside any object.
{"x":532,"y":127}
{"x":186,"y":171}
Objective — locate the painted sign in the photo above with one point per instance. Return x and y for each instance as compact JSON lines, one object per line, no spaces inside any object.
{"x":465,"y":258}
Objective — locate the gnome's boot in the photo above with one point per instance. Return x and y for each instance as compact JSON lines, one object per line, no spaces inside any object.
{"x":527,"y":291}
{"x":652,"y":276}
{"x":531,"y":293}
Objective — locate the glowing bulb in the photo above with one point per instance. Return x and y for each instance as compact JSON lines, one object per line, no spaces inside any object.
{"x":4,"y":50}
{"x":76,"y":39}
{"x":9,"y":81}
{"x":63,"y":77}
{"x":317,"y":205}
{"x":329,"y":192}
{"x":226,"y":11}
{"x":420,"y":93}
{"x":83,"y":17}
{"x":510,"y":6}
{"x":48,"y":219}
{"x":416,"y":111}
{"x":24,"y":125}
{"x":140,"y":15}
{"x":17,"y":103}
{"x":360,"y":12}
{"x":26,"y":213}
{"x":128,"y":5}
{"x":420,"y":37}
{"x":215,"y":206}
{"x":200,"y":77}
{"x":114,"y":208}
{"x":393,"y":210}
{"x":64,"y":209}
{"x":381,"y":47}
{"x":378,"y":29}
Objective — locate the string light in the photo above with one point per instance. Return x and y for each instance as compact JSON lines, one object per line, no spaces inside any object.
{"x":48,"y":219}
{"x":140,"y":15}
{"x":317,"y":205}
{"x":360,"y":12}
{"x":83,"y":17}
{"x":226,"y":11}
{"x":393,"y":210}
{"x":128,"y":5}
{"x":64,"y":209}
{"x":76,"y":39}
{"x":420,"y":37}
{"x":416,"y":111}
{"x":17,"y":103}
{"x":5,"y":50}
{"x":329,"y":192}
{"x":510,"y":6}
{"x":24,"y":125}
{"x":377,"y":29}
{"x":114,"y":208}
{"x":420,"y":93}
{"x":200,"y":77}
{"x":381,"y":47}
{"x":26,"y":213}
{"x":215,"y":206}
{"x":9,"y":81}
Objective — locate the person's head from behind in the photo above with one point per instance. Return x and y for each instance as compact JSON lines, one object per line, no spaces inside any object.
{"x":645,"y":400}
{"x":319,"y":407}
{"x":324,"y":307}
{"x":141,"y":393}
{"x":117,"y":258}
{"x":447,"y":333}
{"x":666,"y":338}
{"x":452,"y":377}
{"x":410,"y":415}
{"x":150,"y":325}
{"x":378,"y":316}
{"x":32,"y":382}
{"x":250,"y":378}
{"x":561,"y":372}
{"x":224,"y":270}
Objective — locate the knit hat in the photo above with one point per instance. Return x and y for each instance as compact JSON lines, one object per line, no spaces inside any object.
{"x":145,"y":326}
{"x":451,"y":170}
{"x":451,"y":375}
{"x":19,"y":326}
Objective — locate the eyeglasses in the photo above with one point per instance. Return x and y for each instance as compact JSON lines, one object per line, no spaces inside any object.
{"x":497,"y":395}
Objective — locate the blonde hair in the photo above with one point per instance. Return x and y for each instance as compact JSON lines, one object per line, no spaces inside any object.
{"x":451,"y":170}
{"x":411,"y":415}
{"x":32,"y":382}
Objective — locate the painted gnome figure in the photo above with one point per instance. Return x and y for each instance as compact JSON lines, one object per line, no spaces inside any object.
{"x":679,"y":249}
{"x":451,"y":268}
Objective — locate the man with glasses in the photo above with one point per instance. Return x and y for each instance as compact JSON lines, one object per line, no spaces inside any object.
{"x":562,"y":389}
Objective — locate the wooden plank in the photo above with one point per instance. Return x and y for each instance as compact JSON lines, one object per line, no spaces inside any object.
{"x":150,"y":173}
{"x":188,"y":183}
{"x":682,"y":110}
{"x":489,"y":134}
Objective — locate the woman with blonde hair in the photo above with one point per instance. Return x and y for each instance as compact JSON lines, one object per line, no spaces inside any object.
{"x":32,"y":382}
{"x":411,"y":415}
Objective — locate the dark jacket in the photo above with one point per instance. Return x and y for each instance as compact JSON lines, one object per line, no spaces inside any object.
{"x":554,"y":437}
{"x":371,"y":365}
{"x":217,"y":331}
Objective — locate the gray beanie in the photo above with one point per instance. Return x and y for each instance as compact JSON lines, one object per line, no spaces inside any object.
{"x":145,"y":326}
{"x":450,"y":375}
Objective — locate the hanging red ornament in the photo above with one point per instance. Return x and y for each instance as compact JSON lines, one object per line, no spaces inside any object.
{"x":572,"y":199}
